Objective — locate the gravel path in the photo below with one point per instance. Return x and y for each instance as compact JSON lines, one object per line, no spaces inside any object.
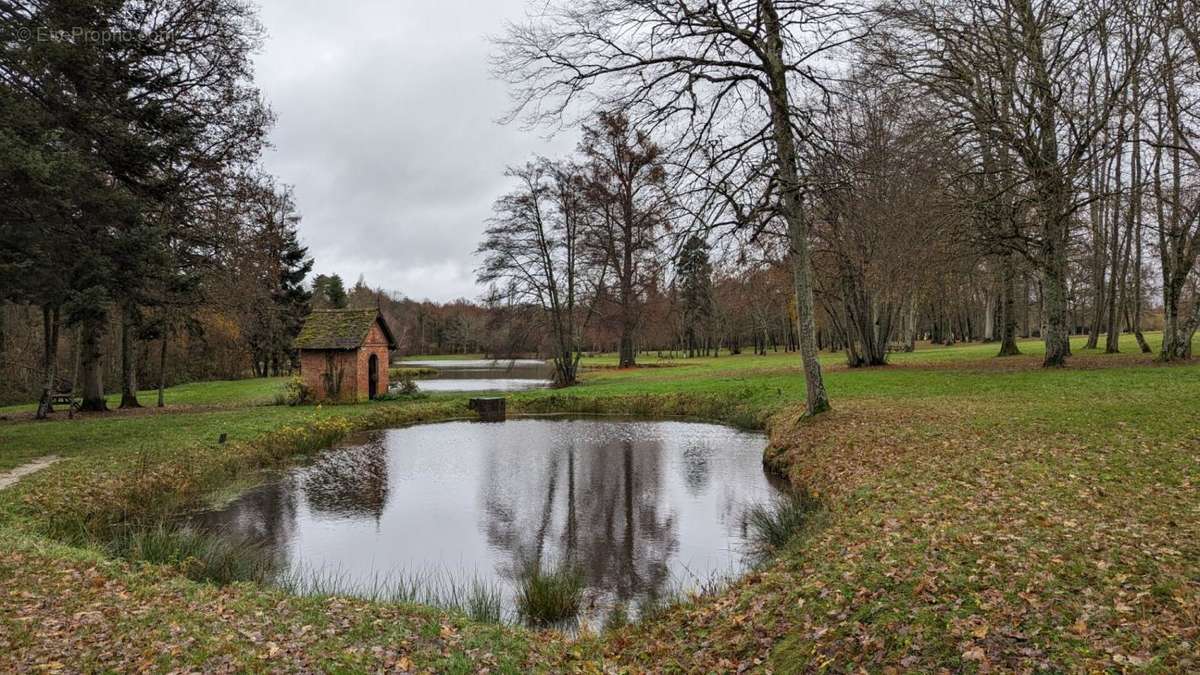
{"x":9,"y":478}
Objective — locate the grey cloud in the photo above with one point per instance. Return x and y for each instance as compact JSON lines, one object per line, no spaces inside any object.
{"x":387,"y":131}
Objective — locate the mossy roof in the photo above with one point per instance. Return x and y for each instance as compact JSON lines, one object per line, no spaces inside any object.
{"x":341,"y":329}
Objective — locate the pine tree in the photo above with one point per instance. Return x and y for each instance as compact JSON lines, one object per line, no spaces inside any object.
{"x":694,"y":274}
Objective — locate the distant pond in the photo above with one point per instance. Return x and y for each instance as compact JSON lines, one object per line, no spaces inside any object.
{"x":640,"y":508}
{"x":484,"y":375}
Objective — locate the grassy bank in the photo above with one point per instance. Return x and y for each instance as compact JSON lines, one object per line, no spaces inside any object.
{"x":223,"y":393}
{"x":982,"y":513}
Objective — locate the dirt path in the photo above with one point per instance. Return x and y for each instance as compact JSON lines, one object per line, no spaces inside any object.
{"x":9,"y":478}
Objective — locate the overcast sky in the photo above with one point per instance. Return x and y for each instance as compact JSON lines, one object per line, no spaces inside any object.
{"x":387,"y":131}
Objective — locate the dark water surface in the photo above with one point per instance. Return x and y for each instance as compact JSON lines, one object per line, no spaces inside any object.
{"x":485,"y":375}
{"x":642,"y":508}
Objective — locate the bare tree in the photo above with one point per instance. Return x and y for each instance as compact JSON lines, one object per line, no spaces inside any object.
{"x":532,"y":253}
{"x":1019,"y":73}
{"x":880,"y":208}
{"x":726,"y":80}
{"x":1178,"y":204}
{"x":626,"y":188}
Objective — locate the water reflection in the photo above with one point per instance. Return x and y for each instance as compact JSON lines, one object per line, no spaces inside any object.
{"x":484,"y":375}
{"x":637,"y":506}
{"x":351,"y":483}
{"x":601,"y":509}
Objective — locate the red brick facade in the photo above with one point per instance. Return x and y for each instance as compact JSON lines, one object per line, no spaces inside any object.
{"x":343,"y":375}
{"x":376,"y":344}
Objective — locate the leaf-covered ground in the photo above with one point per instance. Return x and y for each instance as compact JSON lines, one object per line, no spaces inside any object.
{"x":62,"y":611}
{"x":958,"y":541}
{"x":984,"y":515}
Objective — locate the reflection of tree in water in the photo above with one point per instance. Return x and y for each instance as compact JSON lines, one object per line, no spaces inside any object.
{"x":349,"y":483}
{"x":594,"y":504}
{"x":265,"y":516}
{"x":345,"y":483}
{"x":696,"y":468}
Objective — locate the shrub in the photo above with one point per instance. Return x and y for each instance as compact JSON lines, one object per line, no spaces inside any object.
{"x":406,"y":389}
{"x":407,"y":384}
{"x":549,"y":597}
{"x":774,"y":525}
{"x":295,"y":392}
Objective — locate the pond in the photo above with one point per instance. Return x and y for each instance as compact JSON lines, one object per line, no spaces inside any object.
{"x":484,"y":375}
{"x":641,"y":509}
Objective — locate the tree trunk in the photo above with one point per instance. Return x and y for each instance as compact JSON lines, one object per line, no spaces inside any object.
{"x":1008,"y":311}
{"x":1192,"y":327}
{"x":627,"y":357}
{"x":129,"y":386}
{"x":989,"y":317}
{"x":162,"y":369}
{"x":817,"y":400}
{"x":1120,"y":292}
{"x":1057,"y":332}
{"x":50,"y":326}
{"x":1026,"y":312}
{"x":1099,"y":262}
{"x":1139,"y":221}
{"x":92,"y":333}
{"x":910,"y":326}
{"x":1112,"y":336}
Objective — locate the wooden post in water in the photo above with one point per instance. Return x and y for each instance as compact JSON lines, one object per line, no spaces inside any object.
{"x":489,"y":409}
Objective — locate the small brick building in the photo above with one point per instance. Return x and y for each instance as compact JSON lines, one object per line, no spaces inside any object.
{"x":344,"y":354}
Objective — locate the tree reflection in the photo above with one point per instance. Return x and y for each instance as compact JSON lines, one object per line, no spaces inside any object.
{"x":608,"y":520}
{"x":349,"y":483}
{"x":696,"y":467}
{"x":265,"y":516}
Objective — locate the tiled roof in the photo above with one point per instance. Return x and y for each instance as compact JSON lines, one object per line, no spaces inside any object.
{"x":340,"y":329}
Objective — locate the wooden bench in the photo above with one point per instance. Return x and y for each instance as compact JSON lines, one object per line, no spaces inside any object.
{"x":65,"y":398}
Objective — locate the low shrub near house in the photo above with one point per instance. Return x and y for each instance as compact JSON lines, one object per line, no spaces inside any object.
{"x":295,"y":392}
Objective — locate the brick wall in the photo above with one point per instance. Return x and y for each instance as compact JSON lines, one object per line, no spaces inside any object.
{"x":377,"y":344}
{"x":354,"y":366}
{"x":314,"y":365}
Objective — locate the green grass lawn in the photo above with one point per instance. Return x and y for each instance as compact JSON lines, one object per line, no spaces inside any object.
{"x":225,"y":393}
{"x":983,"y":514}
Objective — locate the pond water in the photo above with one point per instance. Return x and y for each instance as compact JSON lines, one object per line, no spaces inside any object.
{"x":642,"y":509}
{"x":484,"y":375}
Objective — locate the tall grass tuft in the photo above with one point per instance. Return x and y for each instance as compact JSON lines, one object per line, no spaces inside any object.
{"x":618,"y":618}
{"x":775,"y":524}
{"x":549,"y":597}
{"x":483,"y":602}
{"x":475,"y":597}
{"x":201,"y":556}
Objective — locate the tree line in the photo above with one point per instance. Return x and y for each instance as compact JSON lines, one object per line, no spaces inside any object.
{"x":949,"y":170}
{"x":135,"y":222}
{"x":797,"y":175}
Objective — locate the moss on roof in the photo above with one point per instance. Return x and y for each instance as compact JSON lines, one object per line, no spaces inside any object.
{"x":340,"y":329}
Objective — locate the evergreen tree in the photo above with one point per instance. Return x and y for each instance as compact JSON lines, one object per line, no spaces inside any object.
{"x":143,"y":117}
{"x":281,"y":264}
{"x":694,"y":274}
{"x":329,"y":292}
